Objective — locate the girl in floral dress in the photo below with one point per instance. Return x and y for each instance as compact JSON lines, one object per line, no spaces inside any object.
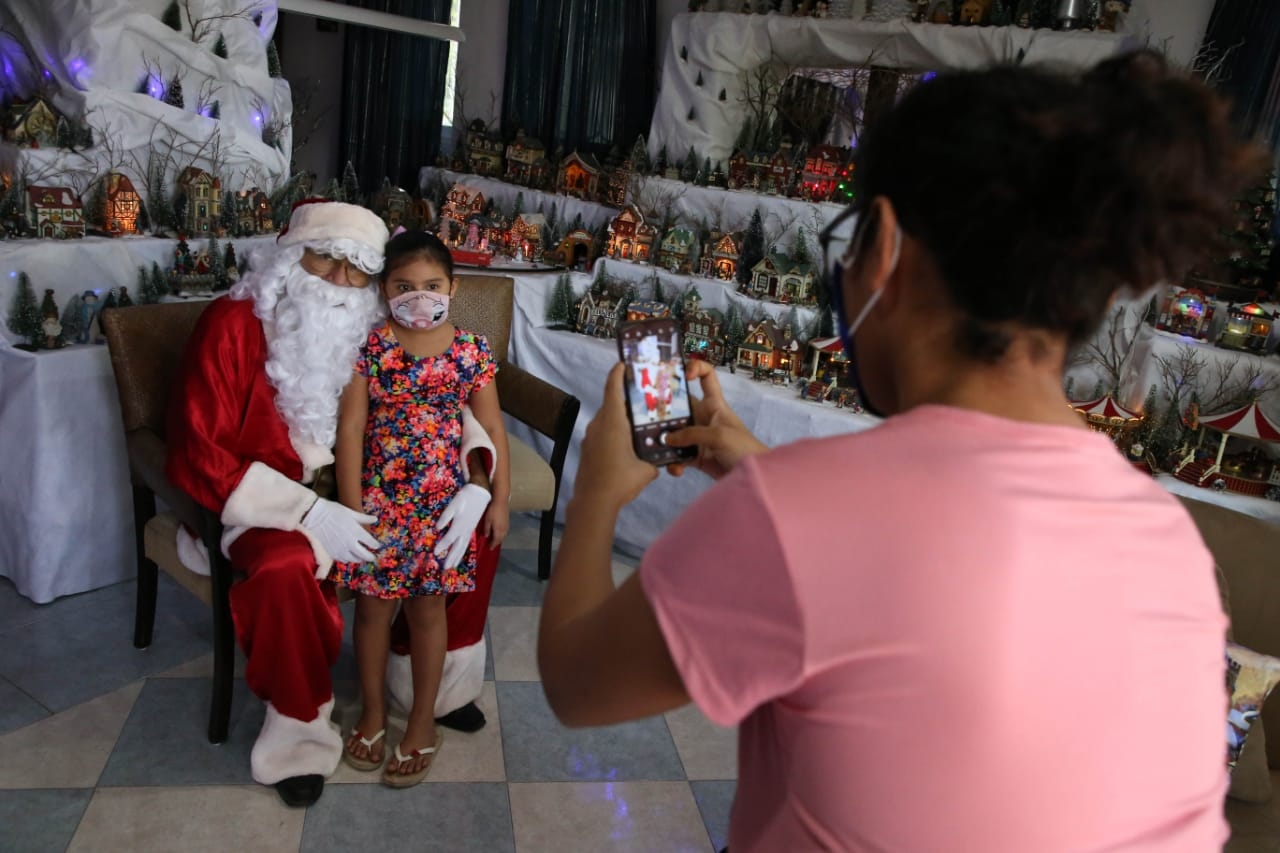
{"x":398,"y":457}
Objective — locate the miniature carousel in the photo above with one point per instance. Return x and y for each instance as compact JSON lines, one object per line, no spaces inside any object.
{"x":1107,"y":416}
{"x":1249,"y":469}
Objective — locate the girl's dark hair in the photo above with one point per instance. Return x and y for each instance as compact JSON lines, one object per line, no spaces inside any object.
{"x":411,"y":245}
{"x":1040,"y":195}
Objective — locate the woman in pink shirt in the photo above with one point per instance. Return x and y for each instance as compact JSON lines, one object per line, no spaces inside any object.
{"x":974,"y":627}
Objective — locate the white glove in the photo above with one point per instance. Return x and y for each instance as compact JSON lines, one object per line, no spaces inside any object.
{"x":458,"y":522}
{"x":342,"y":531}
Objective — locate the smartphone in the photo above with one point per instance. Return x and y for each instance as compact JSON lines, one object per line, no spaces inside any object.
{"x":656,"y":388}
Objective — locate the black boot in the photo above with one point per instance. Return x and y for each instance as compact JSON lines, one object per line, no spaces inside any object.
{"x":300,"y":791}
{"x":468,"y":718}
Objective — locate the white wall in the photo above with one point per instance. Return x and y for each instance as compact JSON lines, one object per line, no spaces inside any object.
{"x":311,"y":58}
{"x":482,"y":58}
{"x":1181,"y":22}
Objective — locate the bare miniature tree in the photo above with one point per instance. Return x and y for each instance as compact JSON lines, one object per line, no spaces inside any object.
{"x":203,"y":23}
{"x":303,"y":120}
{"x":1235,"y":383}
{"x":777,"y":225}
{"x":207,"y":96}
{"x":1180,"y":375}
{"x":1111,"y":348}
{"x":760,"y":89}
{"x":657,"y":200}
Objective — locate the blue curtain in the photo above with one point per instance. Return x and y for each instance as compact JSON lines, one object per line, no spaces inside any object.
{"x":1249,"y":31}
{"x":580,"y":73}
{"x":393,"y":96}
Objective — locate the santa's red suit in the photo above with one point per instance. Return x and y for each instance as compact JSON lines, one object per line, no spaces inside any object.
{"x":234,"y":452}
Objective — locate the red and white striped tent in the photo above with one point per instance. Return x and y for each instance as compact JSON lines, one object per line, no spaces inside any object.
{"x":1105,"y":407}
{"x":831,"y":346}
{"x":1247,"y":422}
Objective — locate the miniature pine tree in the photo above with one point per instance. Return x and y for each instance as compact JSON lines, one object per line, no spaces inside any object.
{"x":172,"y":18}
{"x":63,"y":134}
{"x":215,"y":110}
{"x":273,"y":60}
{"x":660,"y":165}
{"x":704,"y":176}
{"x":658,"y":294}
{"x":173,"y":93}
{"x":143,"y":222}
{"x":71,"y":318}
{"x":692,"y":116}
{"x":182,"y":257}
{"x":229,"y":259}
{"x":24,"y":314}
{"x":333,"y":191}
{"x":95,"y":206}
{"x":220,"y":47}
{"x":178,"y":214}
{"x":752,"y":248}
{"x":800,"y":247}
{"x":518,"y":207}
{"x":124,"y":300}
{"x":684,"y":52}
{"x":560,"y":306}
{"x":698,"y":82}
{"x":350,"y":184}
{"x":227,"y":216}
{"x":689,"y":168}
{"x":724,"y":96}
{"x":216,"y":265}
{"x":640,"y":156}
{"x":147,"y":293}
{"x":158,"y":284}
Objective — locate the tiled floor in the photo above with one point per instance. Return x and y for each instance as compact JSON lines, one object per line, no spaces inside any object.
{"x":102,"y":748}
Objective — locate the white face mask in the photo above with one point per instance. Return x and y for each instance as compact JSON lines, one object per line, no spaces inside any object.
{"x":420,"y":309}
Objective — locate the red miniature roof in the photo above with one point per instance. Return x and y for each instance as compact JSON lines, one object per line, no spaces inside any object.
{"x":1247,"y":422}
{"x":827,"y":344}
{"x":61,"y":197}
{"x":1104,"y":407}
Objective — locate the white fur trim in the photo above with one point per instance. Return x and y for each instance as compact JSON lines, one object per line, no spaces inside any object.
{"x":314,"y":456}
{"x":313,"y":224}
{"x":287,"y":747}
{"x":474,"y":437}
{"x":461,"y":682}
{"x":266,"y":498}
{"x":192,"y":553}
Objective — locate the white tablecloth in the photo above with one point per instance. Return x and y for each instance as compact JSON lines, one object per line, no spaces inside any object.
{"x":65,"y":508}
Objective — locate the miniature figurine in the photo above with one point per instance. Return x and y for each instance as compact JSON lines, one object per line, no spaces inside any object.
{"x":921,"y":13}
{"x":975,"y":12}
{"x":943,"y":12}
{"x":1109,"y":20}
{"x":88,"y":313}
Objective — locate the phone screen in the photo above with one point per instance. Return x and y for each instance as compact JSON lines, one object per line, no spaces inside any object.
{"x":657,"y":390}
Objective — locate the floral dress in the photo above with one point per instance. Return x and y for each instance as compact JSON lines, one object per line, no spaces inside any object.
{"x":412,"y":461}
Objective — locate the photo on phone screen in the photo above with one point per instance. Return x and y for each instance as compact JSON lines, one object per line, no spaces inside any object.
{"x":657,"y":390}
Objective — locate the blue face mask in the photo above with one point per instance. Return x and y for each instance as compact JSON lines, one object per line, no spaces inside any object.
{"x":847,"y":330}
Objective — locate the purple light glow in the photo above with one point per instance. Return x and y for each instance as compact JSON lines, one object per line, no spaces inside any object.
{"x":257,"y":118}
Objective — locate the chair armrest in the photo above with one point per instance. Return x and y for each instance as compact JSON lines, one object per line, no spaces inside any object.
{"x":147,"y":453}
{"x":535,"y":402}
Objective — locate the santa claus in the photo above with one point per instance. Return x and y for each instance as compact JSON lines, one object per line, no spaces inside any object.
{"x":252,"y":419}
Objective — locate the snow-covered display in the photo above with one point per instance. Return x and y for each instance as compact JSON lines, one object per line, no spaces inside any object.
{"x":148,"y":89}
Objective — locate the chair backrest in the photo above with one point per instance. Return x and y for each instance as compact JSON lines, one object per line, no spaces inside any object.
{"x":484,"y":304}
{"x":147,"y":344}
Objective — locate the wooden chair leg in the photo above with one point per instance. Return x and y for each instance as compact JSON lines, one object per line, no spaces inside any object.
{"x":224,"y":649}
{"x":144,"y":616}
{"x":546,"y":528}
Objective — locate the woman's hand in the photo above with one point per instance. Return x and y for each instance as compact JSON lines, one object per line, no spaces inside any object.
{"x":719,"y":434}
{"x":609,"y":472}
{"x":496,"y":522}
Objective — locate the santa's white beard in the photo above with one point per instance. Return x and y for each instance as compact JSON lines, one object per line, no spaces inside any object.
{"x":315,"y":330}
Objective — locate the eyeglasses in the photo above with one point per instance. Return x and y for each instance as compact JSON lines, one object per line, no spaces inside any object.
{"x":323,"y":266}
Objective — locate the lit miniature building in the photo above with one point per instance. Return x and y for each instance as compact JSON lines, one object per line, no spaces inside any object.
{"x":647,"y":309}
{"x":1187,"y":313}
{"x":484,"y":150}
{"x":121,"y":205}
{"x":720,"y":257}
{"x":617,"y":182}
{"x":393,"y":204}
{"x":768,"y":348}
{"x":526,"y":160}
{"x":526,"y":234}
{"x":1248,"y":327}
{"x":204,"y":201}
{"x":822,"y":166}
{"x":676,"y":251}
{"x":55,"y":212}
{"x":253,"y":212}
{"x":579,"y":176}
{"x":574,"y":251}
{"x":703,"y":330}
{"x":1248,"y":472}
{"x":781,"y":279}
{"x":462,"y":202}
{"x":630,"y":237}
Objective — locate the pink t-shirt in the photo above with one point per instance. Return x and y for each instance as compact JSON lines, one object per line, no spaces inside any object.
{"x":953,"y":632}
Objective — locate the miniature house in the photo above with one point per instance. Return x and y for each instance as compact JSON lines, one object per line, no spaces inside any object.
{"x":463,"y":201}
{"x":484,"y":150}
{"x":822,"y":166}
{"x":526,"y":233}
{"x":720,"y":257}
{"x":598,"y":314}
{"x":1248,"y":328}
{"x":703,"y":335}
{"x":204,"y":201}
{"x":676,"y":251}
{"x":1188,"y":313}
{"x":778,"y":278}
{"x":526,"y":160}
{"x":618,"y":182}
{"x":31,"y":124}
{"x":55,"y":212}
{"x":579,"y":176}
{"x":768,"y":348}
{"x":630,"y":237}
{"x":253,"y":212}
{"x":120,"y":205}
{"x":393,"y":204}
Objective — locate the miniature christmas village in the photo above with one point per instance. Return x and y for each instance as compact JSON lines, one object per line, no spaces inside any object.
{"x":1034,"y":14}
